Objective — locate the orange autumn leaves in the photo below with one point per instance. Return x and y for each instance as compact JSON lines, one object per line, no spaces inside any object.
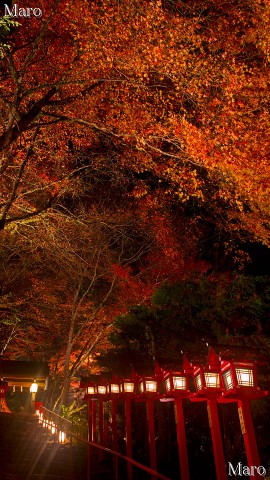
{"x":181,"y":98}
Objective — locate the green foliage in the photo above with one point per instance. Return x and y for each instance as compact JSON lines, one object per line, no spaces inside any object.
{"x":71,"y":411}
{"x":187,"y":303}
{"x":132,"y":341}
{"x":77,"y":416}
{"x":185,"y":317}
{"x":6,"y":25}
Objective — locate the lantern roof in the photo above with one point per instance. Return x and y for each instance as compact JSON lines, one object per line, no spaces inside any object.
{"x":247,"y":352}
{"x":90,"y":379}
{"x":187,"y":366}
{"x":213,"y":359}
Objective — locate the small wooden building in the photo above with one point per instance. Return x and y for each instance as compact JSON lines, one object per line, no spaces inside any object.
{"x":20,"y":374}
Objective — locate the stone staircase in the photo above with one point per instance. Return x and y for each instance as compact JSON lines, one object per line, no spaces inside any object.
{"x":27,"y":452}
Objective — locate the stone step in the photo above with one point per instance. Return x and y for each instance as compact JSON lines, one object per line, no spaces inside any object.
{"x":27,"y":452}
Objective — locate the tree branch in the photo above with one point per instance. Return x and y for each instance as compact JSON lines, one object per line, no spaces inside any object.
{"x":28,"y":215}
{"x":11,"y":135}
{"x":17,"y":182}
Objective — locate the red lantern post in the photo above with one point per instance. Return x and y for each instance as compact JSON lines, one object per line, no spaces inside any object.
{"x":208,"y":388}
{"x":127,"y":387}
{"x":240,"y":382}
{"x":148,"y":388}
{"x":101,"y":392}
{"x":90,"y":396}
{"x":113,"y":392}
{"x":176,"y":386}
{"x":90,"y":389}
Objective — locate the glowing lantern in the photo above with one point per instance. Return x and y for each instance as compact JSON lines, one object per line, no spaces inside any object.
{"x":113,"y":388}
{"x":127,"y":386}
{"x":90,"y":389}
{"x":127,"y":390}
{"x":208,"y":388}
{"x":147,"y":385}
{"x":34,"y":387}
{"x":175,"y":382}
{"x":101,"y":389}
{"x":62,"y":437}
{"x":239,"y":375}
{"x":148,"y":388}
{"x":206,"y":379}
{"x":240,"y":383}
{"x":176,"y":386}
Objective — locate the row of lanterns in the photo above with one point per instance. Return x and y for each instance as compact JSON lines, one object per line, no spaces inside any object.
{"x":50,"y":426}
{"x":225,"y":379}
{"x":220,"y":381}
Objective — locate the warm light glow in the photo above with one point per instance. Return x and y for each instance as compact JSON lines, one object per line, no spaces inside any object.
{"x":150,"y":386}
{"x":114,"y":388}
{"x":167,"y":384}
{"x":179,"y":383}
{"x":212,"y":380}
{"x":243,"y":373}
{"x":141,"y":387}
{"x":244,"y":377}
{"x":102,"y":389}
{"x":90,"y":390}
{"x":34,"y":388}
{"x":198,"y":382}
{"x":62,"y":437}
{"x":228,"y":380}
{"x":53,"y":428}
{"x":128,"y":387}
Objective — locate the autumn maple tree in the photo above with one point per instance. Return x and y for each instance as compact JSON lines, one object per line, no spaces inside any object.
{"x":67,"y":280}
{"x":177,"y":97}
{"x":113,"y":111}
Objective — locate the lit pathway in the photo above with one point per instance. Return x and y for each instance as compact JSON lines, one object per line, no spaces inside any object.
{"x":28,"y":452}
{"x":24,"y":455}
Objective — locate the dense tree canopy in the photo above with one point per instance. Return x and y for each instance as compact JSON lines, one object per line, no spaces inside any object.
{"x":134,"y":149}
{"x":188,"y":317}
{"x":181,"y":105}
